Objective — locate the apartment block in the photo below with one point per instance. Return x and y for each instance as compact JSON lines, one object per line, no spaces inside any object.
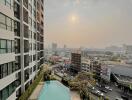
{"x":21,"y":45}
{"x":76,"y":62}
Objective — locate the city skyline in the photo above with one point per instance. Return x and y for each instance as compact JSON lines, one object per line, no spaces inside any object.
{"x":88,"y":23}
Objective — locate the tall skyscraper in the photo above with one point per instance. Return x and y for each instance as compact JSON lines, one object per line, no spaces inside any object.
{"x":21,"y":45}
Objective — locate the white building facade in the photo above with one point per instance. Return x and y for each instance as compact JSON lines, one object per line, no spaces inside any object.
{"x":21,"y":45}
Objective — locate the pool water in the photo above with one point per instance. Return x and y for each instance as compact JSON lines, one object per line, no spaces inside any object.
{"x":54,"y":90}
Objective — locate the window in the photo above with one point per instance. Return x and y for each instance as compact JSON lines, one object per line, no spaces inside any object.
{"x":25,"y":15}
{"x":30,"y":8}
{"x":35,"y":3}
{"x":10,"y":70}
{"x":4,"y":70}
{"x":25,"y":2}
{"x":34,"y":68}
{"x":17,"y":45}
{"x":16,"y":10}
{"x":2,"y":46}
{"x":26,"y":60}
{"x":17,"y":28}
{"x":6,"y":46}
{"x":5,"y":93}
{"x":6,"y":22}
{"x":30,"y":21}
{"x":9,"y":23}
{"x":26,"y":46}
{"x":6,"y":2}
{"x":34,"y":57}
{"x":2,"y":21}
{"x":9,"y":46}
{"x":2,"y":1}
{"x":17,"y":65}
{"x":34,"y":13}
{"x":26,"y":31}
{"x":12,"y":49}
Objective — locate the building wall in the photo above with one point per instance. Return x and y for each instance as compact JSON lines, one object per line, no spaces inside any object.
{"x":24,"y":57}
{"x":76,"y":61}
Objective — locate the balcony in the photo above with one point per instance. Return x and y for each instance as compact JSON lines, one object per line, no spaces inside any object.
{"x":25,"y":15}
{"x":16,"y":10}
{"x":26,"y":60}
{"x":25,"y":3}
{"x":26,"y":46}
{"x":26,"y":74}
{"x":26,"y":31}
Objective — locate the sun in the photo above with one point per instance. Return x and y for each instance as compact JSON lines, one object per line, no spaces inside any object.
{"x":73,"y":18}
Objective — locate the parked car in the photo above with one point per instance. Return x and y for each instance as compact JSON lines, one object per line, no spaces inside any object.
{"x":108,"y":88}
{"x":118,"y":98}
{"x":103,"y":90}
{"x":124,"y":97}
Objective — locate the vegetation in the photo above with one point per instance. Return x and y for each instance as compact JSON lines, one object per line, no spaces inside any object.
{"x":31,"y":88}
{"x":46,"y":75}
{"x":81,"y":79}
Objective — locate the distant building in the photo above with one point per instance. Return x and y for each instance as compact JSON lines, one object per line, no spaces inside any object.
{"x":65,"y":47}
{"x":76,"y":62}
{"x":86,"y":66}
{"x":96,"y":69}
{"x":128,"y":49}
{"x":114,"y":49}
{"x":119,"y":73}
{"x":54,"y":48}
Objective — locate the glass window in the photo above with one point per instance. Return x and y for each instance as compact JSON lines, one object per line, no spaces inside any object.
{"x":5,"y":93}
{"x":12,"y":25}
{"x":2,"y":46}
{"x":10,"y":70}
{"x":8,"y":3}
{"x":2,"y":2}
{"x":17,"y":28}
{"x":9,"y":23}
{"x":9,"y":46}
{"x":4,"y":70}
{"x":2,"y":21}
{"x":17,"y":10}
{"x":12,"y":46}
{"x":30,"y":8}
{"x":3,"y":43}
{"x":0,"y":72}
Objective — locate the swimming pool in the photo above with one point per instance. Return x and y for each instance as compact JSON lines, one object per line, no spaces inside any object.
{"x":54,"y":90}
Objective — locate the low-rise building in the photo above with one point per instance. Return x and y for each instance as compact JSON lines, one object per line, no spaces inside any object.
{"x":86,"y":66}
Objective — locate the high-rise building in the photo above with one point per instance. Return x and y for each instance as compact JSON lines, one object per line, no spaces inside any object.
{"x":128,"y":49}
{"x":54,"y":48}
{"x":76,"y":62}
{"x":21,"y":45}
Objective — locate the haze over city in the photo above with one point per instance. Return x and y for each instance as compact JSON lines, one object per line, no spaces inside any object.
{"x":88,"y":23}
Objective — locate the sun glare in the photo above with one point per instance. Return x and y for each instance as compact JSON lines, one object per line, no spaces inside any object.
{"x":73,"y":18}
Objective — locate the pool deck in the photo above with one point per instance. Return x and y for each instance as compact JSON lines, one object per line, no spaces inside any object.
{"x":75,"y":95}
{"x":36,"y":92}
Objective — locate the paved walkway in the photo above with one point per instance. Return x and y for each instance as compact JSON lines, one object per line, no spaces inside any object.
{"x":75,"y":95}
{"x":36,"y":92}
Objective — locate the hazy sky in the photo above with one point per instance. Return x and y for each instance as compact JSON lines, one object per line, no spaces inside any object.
{"x":88,"y":23}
